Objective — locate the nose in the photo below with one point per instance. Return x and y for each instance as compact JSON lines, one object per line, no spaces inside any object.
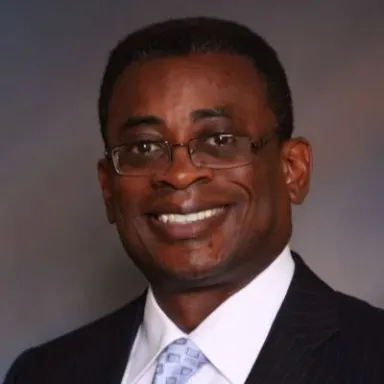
{"x":182,"y":173}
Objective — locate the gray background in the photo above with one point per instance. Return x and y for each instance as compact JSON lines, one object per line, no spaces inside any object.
{"x":61,"y":264}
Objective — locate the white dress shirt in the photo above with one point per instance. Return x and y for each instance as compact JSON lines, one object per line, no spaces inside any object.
{"x":231,"y":337}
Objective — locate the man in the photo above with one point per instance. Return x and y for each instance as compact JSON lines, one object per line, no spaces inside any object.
{"x":199,"y":174}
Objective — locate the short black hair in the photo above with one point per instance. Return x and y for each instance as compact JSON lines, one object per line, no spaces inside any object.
{"x":184,"y":36}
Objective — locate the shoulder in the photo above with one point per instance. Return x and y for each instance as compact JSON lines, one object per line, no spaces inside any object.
{"x":359,"y":318}
{"x":353,"y":313}
{"x":361,"y":348}
{"x":356,"y":347}
{"x":94,"y":332}
{"x":79,"y":346}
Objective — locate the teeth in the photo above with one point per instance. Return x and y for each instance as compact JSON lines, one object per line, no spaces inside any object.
{"x":189,"y":218}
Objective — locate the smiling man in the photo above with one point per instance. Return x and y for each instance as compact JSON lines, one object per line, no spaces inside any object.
{"x":199,"y":175}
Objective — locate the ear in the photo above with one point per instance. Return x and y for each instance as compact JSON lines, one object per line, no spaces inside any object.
{"x":297,"y":168}
{"x":105,"y":175}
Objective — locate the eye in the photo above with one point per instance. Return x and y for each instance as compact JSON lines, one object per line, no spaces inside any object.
{"x":145,"y":148}
{"x":221,"y":140}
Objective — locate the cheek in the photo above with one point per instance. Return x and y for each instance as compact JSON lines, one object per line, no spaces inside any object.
{"x":128,"y":193}
{"x":272,"y":204}
{"x":261,"y":206}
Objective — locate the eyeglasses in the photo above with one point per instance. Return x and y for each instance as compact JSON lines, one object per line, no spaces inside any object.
{"x":217,"y":151}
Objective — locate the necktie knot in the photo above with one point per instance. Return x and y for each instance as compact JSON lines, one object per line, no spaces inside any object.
{"x":178,"y":362}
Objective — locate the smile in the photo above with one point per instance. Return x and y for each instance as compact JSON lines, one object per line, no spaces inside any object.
{"x":190,"y":217}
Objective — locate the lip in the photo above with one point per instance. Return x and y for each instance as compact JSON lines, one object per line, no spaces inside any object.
{"x":189,"y":231}
{"x":183,"y":207}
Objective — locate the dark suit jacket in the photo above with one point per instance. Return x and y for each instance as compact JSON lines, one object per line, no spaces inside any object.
{"x":319,"y":337}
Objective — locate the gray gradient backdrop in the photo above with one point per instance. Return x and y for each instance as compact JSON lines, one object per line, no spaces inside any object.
{"x":61,"y":264}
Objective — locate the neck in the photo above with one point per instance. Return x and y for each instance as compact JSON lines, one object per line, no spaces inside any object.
{"x":188,"y":309}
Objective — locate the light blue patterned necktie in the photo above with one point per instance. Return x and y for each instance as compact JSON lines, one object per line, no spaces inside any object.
{"x":178,"y":362}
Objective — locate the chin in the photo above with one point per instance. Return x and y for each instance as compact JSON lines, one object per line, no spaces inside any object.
{"x":188,"y":281}
{"x":194,"y":271}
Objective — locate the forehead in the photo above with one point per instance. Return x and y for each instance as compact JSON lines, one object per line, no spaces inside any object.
{"x":173,"y":87}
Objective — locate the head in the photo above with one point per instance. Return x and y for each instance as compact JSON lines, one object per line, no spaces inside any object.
{"x":177,"y":90}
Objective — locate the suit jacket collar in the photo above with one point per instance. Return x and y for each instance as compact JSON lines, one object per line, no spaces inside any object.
{"x":307,"y":320}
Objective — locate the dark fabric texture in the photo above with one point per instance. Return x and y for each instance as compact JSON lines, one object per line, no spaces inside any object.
{"x":318,"y":337}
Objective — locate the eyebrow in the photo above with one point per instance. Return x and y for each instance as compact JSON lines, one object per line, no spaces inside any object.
{"x":135,"y":121}
{"x":199,"y":114}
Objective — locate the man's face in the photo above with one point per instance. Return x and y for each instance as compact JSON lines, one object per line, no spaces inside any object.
{"x":244,"y":219}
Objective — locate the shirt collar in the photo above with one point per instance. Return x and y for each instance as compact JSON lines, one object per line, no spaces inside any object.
{"x":156,"y":332}
{"x":232,"y":336}
{"x":238,"y":327}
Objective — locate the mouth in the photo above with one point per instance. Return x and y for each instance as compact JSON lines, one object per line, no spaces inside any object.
{"x":178,"y":226}
{"x":188,"y":218}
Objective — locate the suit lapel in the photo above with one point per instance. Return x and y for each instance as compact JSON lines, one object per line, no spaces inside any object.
{"x":303,"y":329}
{"x":111,"y":349}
